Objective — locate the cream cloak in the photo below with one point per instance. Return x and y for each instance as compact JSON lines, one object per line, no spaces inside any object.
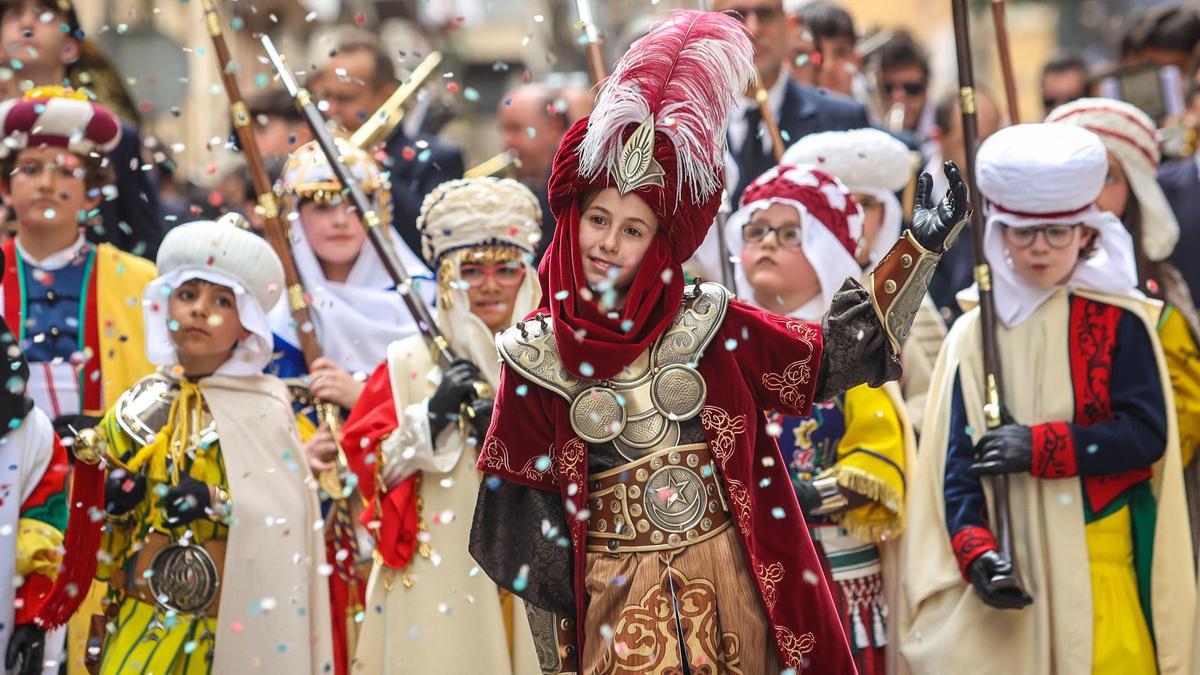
{"x":450,"y":620}
{"x":945,"y":627}
{"x":274,"y":600}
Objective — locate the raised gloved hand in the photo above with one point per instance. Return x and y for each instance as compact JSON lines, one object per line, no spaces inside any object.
{"x":481,"y":417}
{"x":187,"y":501}
{"x":936,"y":225}
{"x":457,"y":387}
{"x":992,"y":576}
{"x":1006,"y":449}
{"x":807,"y":494}
{"x":26,"y":650}
{"x":123,"y":491}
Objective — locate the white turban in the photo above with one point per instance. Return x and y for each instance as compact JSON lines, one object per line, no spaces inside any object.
{"x":1042,"y":174}
{"x":478,"y":211}
{"x":224,"y":254}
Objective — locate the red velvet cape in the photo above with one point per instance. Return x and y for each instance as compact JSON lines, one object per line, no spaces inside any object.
{"x":757,"y":361}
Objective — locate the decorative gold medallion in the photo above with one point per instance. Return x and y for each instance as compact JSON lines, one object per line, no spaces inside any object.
{"x":184,"y":579}
{"x":637,"y":167}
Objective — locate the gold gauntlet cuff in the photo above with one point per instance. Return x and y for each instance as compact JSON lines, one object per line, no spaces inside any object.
{"x":898,"y":285}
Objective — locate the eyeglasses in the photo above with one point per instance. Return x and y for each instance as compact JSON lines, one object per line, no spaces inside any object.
{"x":910,"y":88}
{"x":764,"y":13}
{"x":507,"y":274}
{"x":31,"y":169}
{"x":788,"y":236}
{"x":1057,"y":236}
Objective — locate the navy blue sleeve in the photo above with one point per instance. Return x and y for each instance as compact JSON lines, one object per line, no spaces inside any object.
{"x":966,"y":505}
{"x":1137,"y":435}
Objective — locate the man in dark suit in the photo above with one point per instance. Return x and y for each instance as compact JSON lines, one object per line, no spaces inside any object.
{"x":357,"y":79}
{"x":130,"y":218}
{"x":800,"y":110}
{"x":1180,"y":180}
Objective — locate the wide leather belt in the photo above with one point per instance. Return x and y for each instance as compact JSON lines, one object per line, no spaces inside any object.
{"x":669,"y":499}
{"x":168,"y":575}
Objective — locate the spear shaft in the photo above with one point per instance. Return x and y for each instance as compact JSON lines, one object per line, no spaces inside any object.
{"x":1006,"y":67}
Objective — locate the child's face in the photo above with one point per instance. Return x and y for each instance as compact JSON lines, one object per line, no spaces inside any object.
{"x":334,"y":231}
{"x":204,"y":322}
{"x":774,"y":262}
{"x":1044,"y":256}
{"x":30,"y":33}
{"x":1115,"y":195}
{"x":47,"y":190}
{"x":615,"y":231}
{"x":492,"y":288}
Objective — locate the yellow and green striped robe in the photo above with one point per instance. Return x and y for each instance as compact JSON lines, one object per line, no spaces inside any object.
{"x":146,"y":640}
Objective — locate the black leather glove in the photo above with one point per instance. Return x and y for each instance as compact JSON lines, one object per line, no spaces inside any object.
{"x":26,"y":650}
{"x":123,"y":491}
{"x":1006,"y":449}
{"x":482,"y":418}
{"x":187,"y":501}
{"x":933,"y":224}
{"x":64,"y":423}
{"x":992,"y":576}
{"x":457,"y":387}
{"x":807,"y":494}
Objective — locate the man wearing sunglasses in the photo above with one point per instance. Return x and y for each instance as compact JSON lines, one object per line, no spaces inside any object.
{"x":904,"y":85}
{"x":799,"y":110}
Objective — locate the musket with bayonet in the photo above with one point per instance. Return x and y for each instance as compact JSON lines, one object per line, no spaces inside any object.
{"x":1004,"y":583}
{"x":443,"y":354}
{"x":330,"y":480}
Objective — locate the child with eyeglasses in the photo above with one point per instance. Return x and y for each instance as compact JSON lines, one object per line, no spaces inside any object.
{"x":1088,"y":440}
{"x":412,"y":440}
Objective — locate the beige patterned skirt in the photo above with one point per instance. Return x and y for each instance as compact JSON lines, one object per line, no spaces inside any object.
{"x":645,"y":605}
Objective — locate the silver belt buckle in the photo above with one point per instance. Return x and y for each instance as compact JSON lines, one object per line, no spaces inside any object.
{"x":183,"y":579}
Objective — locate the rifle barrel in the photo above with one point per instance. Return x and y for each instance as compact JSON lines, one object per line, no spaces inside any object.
{"x":274,"y":230}
{"x":987,"y":304}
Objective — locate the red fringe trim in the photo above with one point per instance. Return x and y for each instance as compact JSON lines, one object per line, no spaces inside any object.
{"x":81,"y":544}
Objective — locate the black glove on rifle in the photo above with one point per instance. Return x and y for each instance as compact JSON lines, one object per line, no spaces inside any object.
{"x":1006,"y":449}
{"x":992,"y":576}
{"x":457,"y":387}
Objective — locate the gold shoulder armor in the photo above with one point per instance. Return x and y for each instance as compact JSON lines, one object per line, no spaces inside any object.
{"x":529,"y":348}
{"x":699,"y":318}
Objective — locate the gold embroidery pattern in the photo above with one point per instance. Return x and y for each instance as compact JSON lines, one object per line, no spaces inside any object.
{"x":794,"y":648}
{"x":645,"y":640}
{"x":725,"y":428}
{"x":798,"y":372}
{"x":494,"y":458}
{"x":571,"y":459}
{"x":739,"y":497}
{"x":769,"y":577}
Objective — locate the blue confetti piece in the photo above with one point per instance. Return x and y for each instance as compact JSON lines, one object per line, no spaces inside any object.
{"x":778,"y":513}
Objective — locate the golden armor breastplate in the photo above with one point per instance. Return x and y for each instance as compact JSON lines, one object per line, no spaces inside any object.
{"x":640,"y":409}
